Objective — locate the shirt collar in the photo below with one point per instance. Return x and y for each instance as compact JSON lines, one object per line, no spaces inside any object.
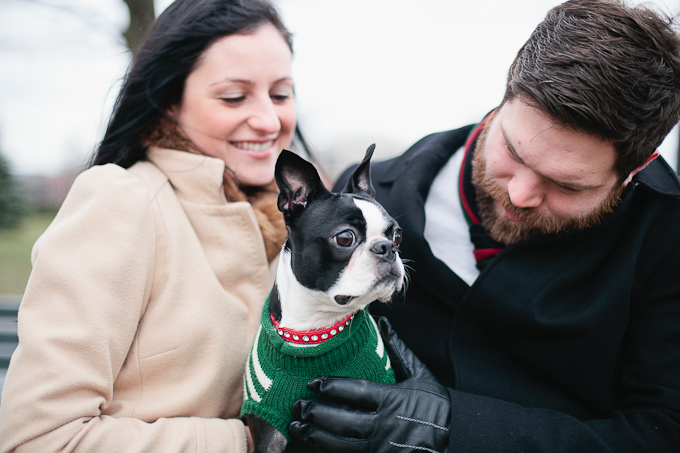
{"x":195,"y":177}
{"x":659,"y":177}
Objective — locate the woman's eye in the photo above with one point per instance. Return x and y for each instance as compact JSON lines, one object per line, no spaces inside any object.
{"x":345,"y":238}
{"x":396,"y":236}
{"x":233,"y":100}
{"x":280,"y":96}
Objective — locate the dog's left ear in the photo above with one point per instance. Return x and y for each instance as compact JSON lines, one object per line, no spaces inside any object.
{"x":360,"y":181}
{"x":298,"y":181}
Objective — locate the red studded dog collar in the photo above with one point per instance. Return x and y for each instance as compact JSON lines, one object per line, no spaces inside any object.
{"x":311,"y":336}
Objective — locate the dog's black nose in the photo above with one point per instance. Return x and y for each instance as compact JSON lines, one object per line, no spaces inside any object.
{"x":384,"y":249}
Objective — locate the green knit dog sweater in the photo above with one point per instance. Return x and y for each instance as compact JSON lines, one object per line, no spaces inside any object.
{"x":277,"y":371}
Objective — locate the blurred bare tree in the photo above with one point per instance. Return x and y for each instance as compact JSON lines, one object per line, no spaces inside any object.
{"x":142,"y":16}
{"x":12,"y":206}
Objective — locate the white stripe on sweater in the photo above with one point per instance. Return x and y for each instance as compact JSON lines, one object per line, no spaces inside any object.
{"x":249,"y":383}
{"x":261,"y":376}
{"x":380,"y":349}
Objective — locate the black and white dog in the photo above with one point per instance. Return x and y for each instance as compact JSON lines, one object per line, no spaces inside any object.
{"x":341,"y":254}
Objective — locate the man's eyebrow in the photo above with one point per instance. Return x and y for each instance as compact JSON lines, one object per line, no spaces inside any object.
{"x":510,"y":147}
{"x":570,"y":186}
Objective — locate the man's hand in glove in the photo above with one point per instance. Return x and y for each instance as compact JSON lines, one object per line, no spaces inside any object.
{"x":358,"y":415}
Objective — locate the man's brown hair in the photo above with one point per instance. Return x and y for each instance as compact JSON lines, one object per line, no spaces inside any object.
{"x":604,"y":68}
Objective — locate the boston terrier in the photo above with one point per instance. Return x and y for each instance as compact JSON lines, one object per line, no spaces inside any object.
{"x":340,"y":255}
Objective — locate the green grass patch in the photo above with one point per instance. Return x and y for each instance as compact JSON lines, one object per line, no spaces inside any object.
{"x":15,"y":251}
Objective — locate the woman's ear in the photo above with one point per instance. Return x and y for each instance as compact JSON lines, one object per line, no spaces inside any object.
{"x":172,"y":111}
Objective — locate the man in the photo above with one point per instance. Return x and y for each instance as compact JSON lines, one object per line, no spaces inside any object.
{"x":545,"y":247}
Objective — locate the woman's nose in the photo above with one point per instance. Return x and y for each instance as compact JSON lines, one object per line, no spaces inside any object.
{"x":525,"y":190}
{"x":264,"y":117}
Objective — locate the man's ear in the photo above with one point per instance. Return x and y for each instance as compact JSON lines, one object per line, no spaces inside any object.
{"x":360,"y":181}
{"x":299,"y":183}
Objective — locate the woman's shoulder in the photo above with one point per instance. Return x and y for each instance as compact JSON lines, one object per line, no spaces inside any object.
{"x":106,"y":204}
{"x":111,"y":182}
{"x":141,"y":173}
{"x":104,"y":175}
{"x":107,"y":190}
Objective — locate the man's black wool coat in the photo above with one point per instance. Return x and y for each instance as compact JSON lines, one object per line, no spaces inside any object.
{"x":563,"y":343}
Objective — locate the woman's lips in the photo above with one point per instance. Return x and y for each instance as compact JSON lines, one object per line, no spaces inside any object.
{"x":255,"y":150}
{"x":253,"y":146}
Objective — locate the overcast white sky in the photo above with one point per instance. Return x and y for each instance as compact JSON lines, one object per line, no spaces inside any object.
{"x":383,"y":71}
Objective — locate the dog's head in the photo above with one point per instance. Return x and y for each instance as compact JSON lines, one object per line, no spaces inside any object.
{"x":344,"y":245}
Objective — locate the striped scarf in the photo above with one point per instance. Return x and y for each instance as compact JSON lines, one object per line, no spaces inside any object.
{"x":485,"y":248}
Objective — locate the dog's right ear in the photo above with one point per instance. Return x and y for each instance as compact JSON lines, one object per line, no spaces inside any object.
{"x":360,"y":181}
{"x":298,"y":181}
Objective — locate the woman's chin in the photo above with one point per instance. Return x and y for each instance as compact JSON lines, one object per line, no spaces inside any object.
{"x":255,"y":178}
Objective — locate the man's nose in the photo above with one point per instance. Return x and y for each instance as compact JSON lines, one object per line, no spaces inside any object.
{"x":526,"y":189}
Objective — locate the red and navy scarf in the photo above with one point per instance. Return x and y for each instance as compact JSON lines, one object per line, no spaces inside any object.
{"x":485,"y":247}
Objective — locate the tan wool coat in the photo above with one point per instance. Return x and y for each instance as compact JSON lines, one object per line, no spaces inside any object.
{"x":139,"y":315}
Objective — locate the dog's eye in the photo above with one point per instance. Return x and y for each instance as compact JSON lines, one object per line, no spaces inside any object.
{"x":345,"y":238}
{"x":396,"y":236}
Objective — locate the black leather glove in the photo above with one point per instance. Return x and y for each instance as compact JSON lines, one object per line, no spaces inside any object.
{"x":357,"y":415}
{"x":404,"y":362}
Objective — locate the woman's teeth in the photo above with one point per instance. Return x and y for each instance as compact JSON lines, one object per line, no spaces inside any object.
{"x":253,"y":146}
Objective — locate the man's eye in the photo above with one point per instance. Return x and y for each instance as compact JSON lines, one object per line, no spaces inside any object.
{"x":345,"y":238}
{"x":568,"y":190}
{"x":396,"y":236}
{"x":513,"y":154}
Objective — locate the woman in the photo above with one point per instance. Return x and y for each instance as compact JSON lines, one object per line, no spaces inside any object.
{"x":147,"y":288}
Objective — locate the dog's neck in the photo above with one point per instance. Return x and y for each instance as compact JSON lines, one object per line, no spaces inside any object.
{"x":300,"y":308}
{"x":312,"y":337}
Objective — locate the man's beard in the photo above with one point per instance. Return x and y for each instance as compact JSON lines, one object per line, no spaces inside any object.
{"x":501,"y":229}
